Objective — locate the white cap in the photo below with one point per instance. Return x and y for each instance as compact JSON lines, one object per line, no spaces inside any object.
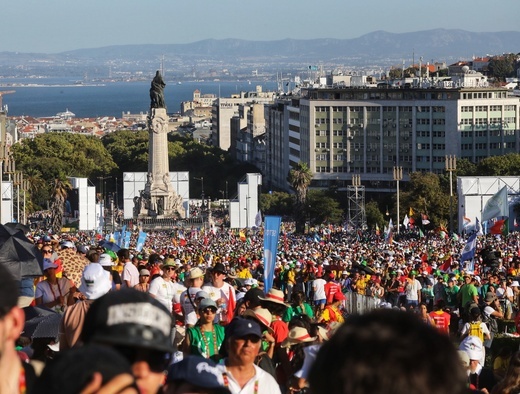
{"x":105,"y":260}
{"x":95,"y":281}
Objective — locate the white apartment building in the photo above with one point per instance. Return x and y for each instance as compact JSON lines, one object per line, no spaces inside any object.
{"x":343,"y":131}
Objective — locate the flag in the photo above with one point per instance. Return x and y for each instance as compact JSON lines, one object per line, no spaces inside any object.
{"x":411,"y":213}
{"x":140,"y":241}
{"x":424,"y":219}
{"x":500,"y":227}
{"x":242,"y":236}
{"x":421,"y":234}
{"x":446,"y":265}
{"x":478,"y":230}
{"x":406,"y":221}
{"x":469,"y":250}
{"x":390,"y":224}
{"x":496,"y":206}
{"x":466,"y":222}
{"x":258,"y":219}
{"x":378,"y":232}
{"x":271,"y":235}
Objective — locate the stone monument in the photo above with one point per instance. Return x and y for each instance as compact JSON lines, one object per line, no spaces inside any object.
{"x":158,"y":199}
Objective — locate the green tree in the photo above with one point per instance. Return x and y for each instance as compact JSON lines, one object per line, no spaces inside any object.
{"x":321,"y":208}
{"x":465,"y":168}
{"x":299,"y":179}
{"x":500,"y":165}
{"x":425,"y":195}
{"x":502,"y":67}
{"x":395,"y":73}
{"x":374,"y":215}
{"x":276,"y":203}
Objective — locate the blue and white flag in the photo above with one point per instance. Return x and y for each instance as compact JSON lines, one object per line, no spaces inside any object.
{"x":123,"y":232}
{"x":117,"y":238}
{"x":496,"y":206}
{"x":271,"y":236}
{"x":468,"y":253}
{"x":126,"y":242}
{"x":140,"y":241}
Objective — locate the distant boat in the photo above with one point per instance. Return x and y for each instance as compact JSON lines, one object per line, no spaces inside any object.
{"x":179,"y":83}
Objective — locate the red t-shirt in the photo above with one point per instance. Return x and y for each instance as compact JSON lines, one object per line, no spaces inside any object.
{"x":330,"y":289}
{"x":442,"y":320}
{"x":281,"y":330}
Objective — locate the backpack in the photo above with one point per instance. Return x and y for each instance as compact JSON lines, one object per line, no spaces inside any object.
{"x":476,"y":330}
{"x":490,"y":321}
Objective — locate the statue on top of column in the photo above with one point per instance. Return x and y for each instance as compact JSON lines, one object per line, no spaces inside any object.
{"x":157,"y":91}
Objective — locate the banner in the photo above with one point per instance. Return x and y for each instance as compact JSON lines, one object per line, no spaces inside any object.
{"x":123,"y":232}
{"x":468,"y":253}
{"x":496,"y":206}
{"x":140,"y":241}
{"x":271,"y":236}
{"x":126,"y":243}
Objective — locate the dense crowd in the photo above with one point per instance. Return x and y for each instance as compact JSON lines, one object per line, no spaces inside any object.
{"x":207,"y":305}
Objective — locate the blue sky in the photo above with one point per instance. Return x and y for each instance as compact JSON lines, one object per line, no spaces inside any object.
{"x":50,"y":26}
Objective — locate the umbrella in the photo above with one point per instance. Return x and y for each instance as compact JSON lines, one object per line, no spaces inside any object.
{"x":48,"y":327}
{"x":32,"y":312}
{"x":73,"y":265}
{"x":109,"y":246}
{"x":362,"y":267}
{"x":18,"y":254}
{"x":18,"y":227}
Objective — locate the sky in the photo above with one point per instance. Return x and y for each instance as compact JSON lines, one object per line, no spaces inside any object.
{"x":52,"y":26}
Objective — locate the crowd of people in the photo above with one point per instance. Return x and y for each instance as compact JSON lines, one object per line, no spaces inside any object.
{"x":190,"y":313}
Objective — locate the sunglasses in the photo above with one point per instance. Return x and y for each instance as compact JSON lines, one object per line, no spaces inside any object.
{"x":208,"y":311}
{"x":46,"y":250}
{"x":250,"y":338}
{"x":170,"y":268}
{"x":157,"y":361}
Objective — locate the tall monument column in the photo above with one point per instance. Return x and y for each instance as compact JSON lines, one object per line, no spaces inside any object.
{"x":158,"y":199}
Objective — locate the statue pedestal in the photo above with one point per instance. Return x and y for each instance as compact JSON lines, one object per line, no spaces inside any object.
{"x":158,"y":199}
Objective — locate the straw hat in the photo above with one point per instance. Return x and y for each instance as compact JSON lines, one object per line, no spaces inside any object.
{"x":297,"y":335}
{"x":274,"y":295}
{"x":261,"y":315}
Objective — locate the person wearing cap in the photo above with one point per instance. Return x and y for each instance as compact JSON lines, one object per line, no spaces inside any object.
{"x":144,"y":277}
{"x":222,"y":293}
{"x":54,"y":293}
{"x":130,"y":274}
{"x":105,"y":260}
{"x":162,"y":287}
{"x":137,"y":326}
{"x":195,"y":280}
{"x":195,"y":374}
{"x":16,"y":376}
{"x":240,"y":374}
{"x":206,"y":337}
{"x":95,"y":282}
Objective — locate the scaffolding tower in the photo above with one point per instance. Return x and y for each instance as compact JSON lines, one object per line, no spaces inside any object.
{"x":356,"y":204}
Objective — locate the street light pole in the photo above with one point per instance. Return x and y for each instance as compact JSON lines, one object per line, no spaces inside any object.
{"x":398,"y":175}
{"x":451,"y":165}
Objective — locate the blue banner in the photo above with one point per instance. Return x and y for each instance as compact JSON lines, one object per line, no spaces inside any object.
{"x":140,"y":241}
{"x":117,"y":238}
{"x":126,"y":243}
{"x":123,"y":232}
{"x":271,"y":236}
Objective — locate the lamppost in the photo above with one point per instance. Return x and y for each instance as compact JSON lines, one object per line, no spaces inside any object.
{"x":3,"y":156}
{"x":398,"y":175}
{"x":451,"y":165}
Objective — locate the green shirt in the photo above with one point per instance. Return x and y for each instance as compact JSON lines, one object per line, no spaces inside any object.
{"x":467,"y":292}
{"x":297,"y":310}
{"x":199,"y":345}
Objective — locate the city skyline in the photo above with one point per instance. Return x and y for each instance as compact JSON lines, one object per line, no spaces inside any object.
{"x":59,"y":25}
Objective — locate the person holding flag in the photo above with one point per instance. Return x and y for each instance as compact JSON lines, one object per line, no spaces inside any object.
{"x":222,"y":293}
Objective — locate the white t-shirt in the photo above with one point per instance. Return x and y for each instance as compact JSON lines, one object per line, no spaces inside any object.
{"x":319,"y":289}
{"x":178,"y":289}
{"x":163,"y":291}
{"x":503,"y":293}
{"x":49,"y":292}
{"x":130,"y":273}
{"x":262,"y":381}
{"x":226,"y":291}
{"x":190,"y":316}
{"x":412,"y":287}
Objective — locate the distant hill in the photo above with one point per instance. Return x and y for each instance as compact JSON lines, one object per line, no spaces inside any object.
{"x":376,"y":49}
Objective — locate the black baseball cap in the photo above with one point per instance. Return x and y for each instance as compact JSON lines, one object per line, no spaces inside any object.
{"x":198,"y":371}
{"x":129,"y":317}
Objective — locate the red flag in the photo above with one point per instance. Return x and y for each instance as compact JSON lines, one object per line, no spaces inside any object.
{"x":446,"y":265}
{"x":498,"y":227}
{"x":231,"y":306}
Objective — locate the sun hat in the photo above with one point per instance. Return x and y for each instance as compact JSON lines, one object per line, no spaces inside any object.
{"x":196,"y":273}
{"x":274,"y":295}
{"x":515,"y":284}
{"x":105,"y":260}
{"x":297,"y":335}
{"x":490,"y":297}
{"x":262,"y":315}
{"x":219,"y":267}
{"x":198,"y":371}
{"x":95,"y":281}
{"x":144,"y":272}
{"x":168,"y":263}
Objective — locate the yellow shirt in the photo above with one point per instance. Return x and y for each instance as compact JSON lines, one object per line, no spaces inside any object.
{"x":244,"y":274}
{"x":291,"y":277}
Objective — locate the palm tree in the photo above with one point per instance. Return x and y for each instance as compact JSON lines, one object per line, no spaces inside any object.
{"x":300,"y":178}
{"x":59,"y":196}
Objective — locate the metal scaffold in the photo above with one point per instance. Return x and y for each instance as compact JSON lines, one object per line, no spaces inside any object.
{"x":356,"y":204}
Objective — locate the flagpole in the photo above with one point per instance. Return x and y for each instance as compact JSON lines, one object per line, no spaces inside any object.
{"x":398,"y":175}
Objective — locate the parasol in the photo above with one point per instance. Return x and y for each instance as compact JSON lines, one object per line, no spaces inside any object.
{"x":18,"y":254}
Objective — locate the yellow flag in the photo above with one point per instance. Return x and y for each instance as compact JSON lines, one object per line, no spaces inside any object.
{"x":411,"y":213}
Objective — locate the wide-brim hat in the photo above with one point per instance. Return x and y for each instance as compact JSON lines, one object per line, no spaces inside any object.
{"x":262,"y":316}
{"x":219,"y":267}
{"x":274,"y":295}
{"x":95,"y":281}
{"x":297,"y":335}
{"x":196,"y":273}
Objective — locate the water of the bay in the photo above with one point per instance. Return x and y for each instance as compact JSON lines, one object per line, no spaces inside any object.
{"x":48,"y":97}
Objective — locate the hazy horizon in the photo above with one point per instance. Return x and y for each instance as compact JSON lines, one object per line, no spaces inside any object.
{"x":61,"y":25}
